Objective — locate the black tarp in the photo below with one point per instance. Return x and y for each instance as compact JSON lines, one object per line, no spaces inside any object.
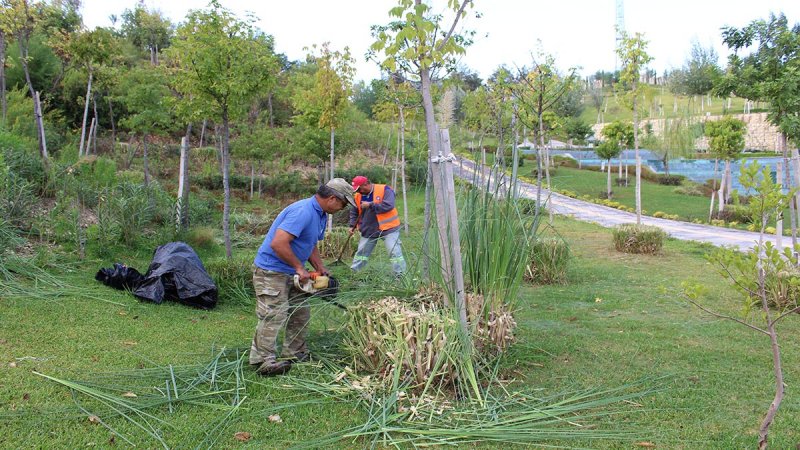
{"x":175,"y":273}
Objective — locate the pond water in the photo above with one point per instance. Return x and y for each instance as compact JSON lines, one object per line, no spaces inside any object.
{"x":698,"y":170}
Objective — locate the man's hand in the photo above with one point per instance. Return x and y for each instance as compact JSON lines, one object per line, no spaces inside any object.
{"x":365,"y":205}
{"x":303,"y":273}
{"x":323,"y":271}
{"x":352,"y":230}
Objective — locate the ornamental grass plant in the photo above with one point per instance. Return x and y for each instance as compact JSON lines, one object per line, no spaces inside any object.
{"x":633,"y":238}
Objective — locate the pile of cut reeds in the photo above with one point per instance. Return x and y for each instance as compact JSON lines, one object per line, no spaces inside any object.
{"x":420,"y":337}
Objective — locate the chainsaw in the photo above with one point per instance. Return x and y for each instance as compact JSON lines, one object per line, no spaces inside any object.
{"x":320,"y":286}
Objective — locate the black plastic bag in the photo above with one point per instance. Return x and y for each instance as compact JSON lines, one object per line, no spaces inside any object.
{"x":120,"y":277}
{"x":176,"y":273}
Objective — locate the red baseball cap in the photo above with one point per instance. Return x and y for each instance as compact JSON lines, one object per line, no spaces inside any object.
{"x":359,"y":181}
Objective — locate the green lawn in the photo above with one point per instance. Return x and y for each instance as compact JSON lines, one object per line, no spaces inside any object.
{"x":618,"y":320}
{"x":655,"y":197}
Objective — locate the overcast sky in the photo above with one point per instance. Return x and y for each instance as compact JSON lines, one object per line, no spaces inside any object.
{"x":579,"y":33}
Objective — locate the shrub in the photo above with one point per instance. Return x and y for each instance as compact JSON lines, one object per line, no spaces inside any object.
{"x":201,"y":237}
{"x":671,"y":180}
{"x":693,"y":189}
{"x":733,"y":213}
{"x":548,"y":262}
{"x":17,"y":198}
{"x":632,"y":238}
{"x":234,"y":279}
{"x":783,"y":287}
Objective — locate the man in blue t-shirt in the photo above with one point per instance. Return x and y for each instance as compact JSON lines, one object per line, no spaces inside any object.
{"x":290,"y":242}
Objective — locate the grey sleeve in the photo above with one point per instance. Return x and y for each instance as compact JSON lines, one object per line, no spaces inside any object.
{"x":353,"y":216}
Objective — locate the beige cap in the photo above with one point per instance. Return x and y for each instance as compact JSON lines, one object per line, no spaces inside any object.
{"x":343,"y":188}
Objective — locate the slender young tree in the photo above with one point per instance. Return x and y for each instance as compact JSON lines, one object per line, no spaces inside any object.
{"x":18,"y":18}
{"x":89,"y":50}
{"x":632,"y":53}
{"x":329,"y":97}
{"x":220,"y":63}
{"x":413,"y":42}
{"x":146,"y":97}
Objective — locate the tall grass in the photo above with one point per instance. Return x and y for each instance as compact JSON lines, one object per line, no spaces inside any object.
{"x":496,"y":240}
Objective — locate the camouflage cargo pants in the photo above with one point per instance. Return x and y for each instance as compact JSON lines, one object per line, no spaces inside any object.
{"x":278,"y":304}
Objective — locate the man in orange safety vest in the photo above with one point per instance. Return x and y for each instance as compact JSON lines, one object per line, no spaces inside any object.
{"x":376,"y":217}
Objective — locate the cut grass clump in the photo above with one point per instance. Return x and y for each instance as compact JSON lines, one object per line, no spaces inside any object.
{"x":633,"y":238}
{"x":234,"y":279}
{"x":201,"y":237}
{"x":421,"y":338}
{"x":548,"y":262}
{"x":331,"y":246}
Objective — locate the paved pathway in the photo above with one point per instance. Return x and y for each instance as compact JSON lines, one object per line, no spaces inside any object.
{"x":609,"y":217}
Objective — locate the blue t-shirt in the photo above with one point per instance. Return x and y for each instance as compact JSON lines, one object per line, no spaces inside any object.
{"x":303,"y":219}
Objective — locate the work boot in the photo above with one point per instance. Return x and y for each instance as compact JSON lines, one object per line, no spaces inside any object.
{"x":302,"y":357}
{"x":272,"y":368}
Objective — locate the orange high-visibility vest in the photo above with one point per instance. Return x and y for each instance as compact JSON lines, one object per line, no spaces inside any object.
{"x":387,"y":220}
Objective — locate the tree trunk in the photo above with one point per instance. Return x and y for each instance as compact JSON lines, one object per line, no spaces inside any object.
{"x":403,"y":168}
{"x":777,"y":367}
{"x":447,"y":221}
{"x":608,"y":183}
{"x":514,"y":154}
{"x":433,"y":149}
{"x":37,"y":104}
{"x":721,"y":194}
{"x":145,"y":161}
{"x":203,"y":132}
{"x":252,"y":178}
{"x":787,"y":184}
{"x":91,"y":131}
{"x":182,"y":213}
{"x":37,"y":107}
{"x":96,"y":126}
{"x":271,"y":114}
{"x":113,"y":125}
{"x":226,"y":208}
{"x":85,"y":115}
{"x":638,"y":160}
{"x":396,"y":158}
{"x":333,"y":134}
{"x":3,"y":77}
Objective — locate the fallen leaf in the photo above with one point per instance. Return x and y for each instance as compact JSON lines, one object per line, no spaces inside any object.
{"x":12,"y":364}
{"x":242,"y":436}
{"x":122,"y":313}
{"x":94,"y":419}
{"x":275,"y":418}
{"x":95,"y":358}
{"x":112,"y":440}
{"x":130,"y":343}
{"x":645,"y":444}
{"x":3,"y":342}
{"x":26,"y":396}
{"x":129,"y":395}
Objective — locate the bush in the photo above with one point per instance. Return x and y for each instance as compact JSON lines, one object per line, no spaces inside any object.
{"x":671,"y":180}
{"x":632,"y":238}
{"x":201,"y":237}
{"x":17,"y":198}
{"x":783,"y":288}
{"x":693,"y":189}
{"x":548,"y":262}
{"x":234,"y":279}
{"x":733,"y":213}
